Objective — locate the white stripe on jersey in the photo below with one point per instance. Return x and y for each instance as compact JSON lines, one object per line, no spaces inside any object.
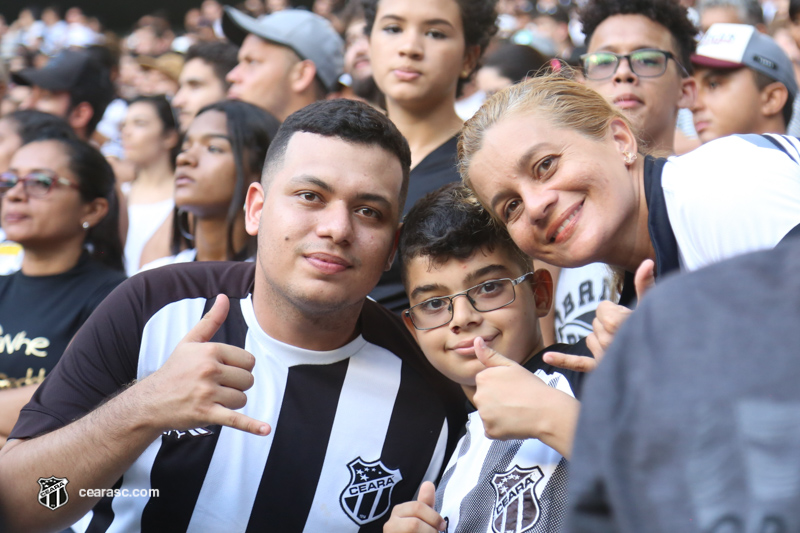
{"x":374,"y":374}
{"x":438,"y":458}
{"x":128,"y":511}
{"x":160,"y":336}
{"x":239,"y":457}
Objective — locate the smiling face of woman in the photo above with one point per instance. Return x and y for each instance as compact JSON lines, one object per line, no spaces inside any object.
{"x":205,"y":175}
{"x":566,"y":199}
{"x":50,"y":220}
{"x":418,"y":51}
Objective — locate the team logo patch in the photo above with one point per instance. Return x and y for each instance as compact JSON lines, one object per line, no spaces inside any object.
{"x":516,"y":508}
{"x":369,"y":494}
{"x":53,"y":492}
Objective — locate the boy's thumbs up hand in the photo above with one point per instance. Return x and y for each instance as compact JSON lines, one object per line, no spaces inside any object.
{"x":506,"y":395}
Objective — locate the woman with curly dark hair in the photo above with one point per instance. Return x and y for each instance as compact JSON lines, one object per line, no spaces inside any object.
{"x":422,"y":53}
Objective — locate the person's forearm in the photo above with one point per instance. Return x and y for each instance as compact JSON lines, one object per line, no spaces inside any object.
{"x":11,"y":401}
{"x":558,"y":429}
{"x":92,"y":452}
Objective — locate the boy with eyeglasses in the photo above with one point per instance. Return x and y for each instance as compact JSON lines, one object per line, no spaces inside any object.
{"x":474,"y":311}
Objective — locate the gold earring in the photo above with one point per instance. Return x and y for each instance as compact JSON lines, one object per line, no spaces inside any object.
{"x":629,"y":157}
{"x":465,"y":74}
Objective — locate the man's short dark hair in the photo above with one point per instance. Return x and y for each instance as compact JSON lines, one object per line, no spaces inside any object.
{"x":668,"y":13}
{"x":32,"y":125}
{"x":348,"y":120}
{"x":220,"y":56}
{"x":450,"y":223}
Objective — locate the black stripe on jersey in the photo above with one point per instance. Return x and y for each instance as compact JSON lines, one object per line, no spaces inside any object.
{"x":413,"y":409}
{"x":659,"y":227}
{"x":298,"y":450}
{"x":181,"y":464}
{"x":103,"y":513}
{"x":778,"y":144}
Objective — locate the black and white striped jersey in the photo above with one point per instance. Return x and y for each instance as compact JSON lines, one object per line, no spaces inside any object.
{"x":355,"y":430}
{"x":511,"y":486}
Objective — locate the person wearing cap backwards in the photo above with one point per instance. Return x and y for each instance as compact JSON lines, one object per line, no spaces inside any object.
{"x":72,"y":85}
{"x":287,"y":60}
{"x":745,"y":83}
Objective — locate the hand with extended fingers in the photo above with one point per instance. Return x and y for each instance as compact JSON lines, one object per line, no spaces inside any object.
{"x":418,"y":516}
{"x":202,"y":382}
{"x":609,"y":317}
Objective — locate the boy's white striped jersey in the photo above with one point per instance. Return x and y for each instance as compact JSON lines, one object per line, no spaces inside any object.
{"x":513,"y":486}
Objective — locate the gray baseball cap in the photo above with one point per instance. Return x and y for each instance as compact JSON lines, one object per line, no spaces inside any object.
{"x":307,"y":34}
{"x":729,"y":46}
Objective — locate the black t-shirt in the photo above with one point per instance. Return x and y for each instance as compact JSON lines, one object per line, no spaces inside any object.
{"x":40,"y":314}
{"x":437,"y":169}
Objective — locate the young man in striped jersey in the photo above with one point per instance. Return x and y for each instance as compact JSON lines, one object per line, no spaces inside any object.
{"x":343,"y":417}
{"x":450,"y":248}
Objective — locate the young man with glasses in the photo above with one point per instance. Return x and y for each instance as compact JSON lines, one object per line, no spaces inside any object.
{"x":472,"y":290}
{"x":638,"y":58}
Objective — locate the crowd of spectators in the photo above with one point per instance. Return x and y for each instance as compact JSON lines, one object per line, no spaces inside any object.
{"x":250,"y":172}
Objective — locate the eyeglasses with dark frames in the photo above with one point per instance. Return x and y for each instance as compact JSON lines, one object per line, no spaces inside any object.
{"x":483,"y":297}
{"x":645,"y":63}
{"x":36,"y":183}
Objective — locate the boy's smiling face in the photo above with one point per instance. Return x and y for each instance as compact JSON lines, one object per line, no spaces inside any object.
{"x":512,"y":330}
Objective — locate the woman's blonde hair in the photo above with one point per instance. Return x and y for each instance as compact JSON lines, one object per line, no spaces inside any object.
{"x":553,"y":97}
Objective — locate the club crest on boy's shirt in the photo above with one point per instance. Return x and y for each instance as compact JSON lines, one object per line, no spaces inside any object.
{"x":368,"y":496}
{"x":516,"y":508}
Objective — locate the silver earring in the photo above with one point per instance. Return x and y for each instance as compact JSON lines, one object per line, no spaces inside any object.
{"x":629,"y":157}
{"x":85,"y":225}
